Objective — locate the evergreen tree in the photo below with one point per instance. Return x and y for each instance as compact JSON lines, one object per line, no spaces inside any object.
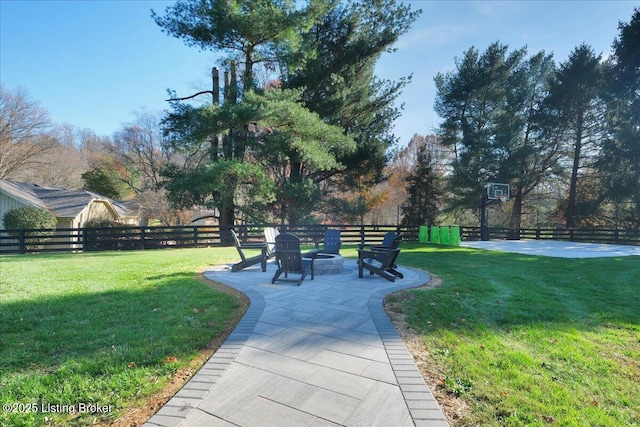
{"x":251,"y":32}
{"x":619,"y":165}
{"x":492,"y":106}
{"x":330,"y":63}
{"x":423,"y":191}
{"x":335,"y":68}
{"x":575,"y":103}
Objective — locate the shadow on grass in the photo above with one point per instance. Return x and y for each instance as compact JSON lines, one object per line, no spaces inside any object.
{"x":175,"y":315}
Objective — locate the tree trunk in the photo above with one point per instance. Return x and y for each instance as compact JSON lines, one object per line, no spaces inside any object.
{"x":571,"y":204}
{"x":227,"y":219}
{"x":515,"y":222}
{"x":293,"y":209}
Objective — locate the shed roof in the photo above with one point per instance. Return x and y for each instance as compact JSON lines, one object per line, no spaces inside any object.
{"x":60,"y":202}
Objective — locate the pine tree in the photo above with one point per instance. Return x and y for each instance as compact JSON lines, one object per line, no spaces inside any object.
{"x":423,"y":192}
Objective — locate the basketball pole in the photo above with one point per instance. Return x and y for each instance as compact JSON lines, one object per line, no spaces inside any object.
{"x":484,"y":223}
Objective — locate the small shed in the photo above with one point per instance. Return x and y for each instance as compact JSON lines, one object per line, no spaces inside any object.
{"x":72,"y":208}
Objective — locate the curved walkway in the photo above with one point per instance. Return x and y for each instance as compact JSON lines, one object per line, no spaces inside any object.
{"x":322,"y":354}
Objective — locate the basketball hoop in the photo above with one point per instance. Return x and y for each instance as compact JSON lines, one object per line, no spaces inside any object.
{"x":498,"y":191}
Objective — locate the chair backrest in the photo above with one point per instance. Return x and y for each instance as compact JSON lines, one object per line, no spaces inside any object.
{"x":270,"y":234}
{"x":388,"y":240}
{"x":288,"y":254}
{"x":391,"y":240}
{"x":396,"y":241}
{"x":394,"y":245}
{"x":332,"y":242}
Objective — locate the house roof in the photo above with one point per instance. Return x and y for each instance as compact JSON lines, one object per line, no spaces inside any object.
{"x":60,"y":202}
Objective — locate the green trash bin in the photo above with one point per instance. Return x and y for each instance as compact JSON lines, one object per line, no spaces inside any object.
{"x":454,"y":235}
{"x":444,"y":235}
{"x":435,"y":234}
{"x":423,"y":234}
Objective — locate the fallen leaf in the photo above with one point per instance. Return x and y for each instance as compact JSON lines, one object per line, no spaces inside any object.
{"x":170,"y":359}
{"x":132,"y":364}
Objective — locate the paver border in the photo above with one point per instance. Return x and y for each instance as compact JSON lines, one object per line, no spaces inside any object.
{"x":422,"y":405}
{"x":185,"y":401}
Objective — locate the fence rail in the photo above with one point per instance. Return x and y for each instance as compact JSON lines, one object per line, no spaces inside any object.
{"x":137,"y":238}
{"x":584,"y":235}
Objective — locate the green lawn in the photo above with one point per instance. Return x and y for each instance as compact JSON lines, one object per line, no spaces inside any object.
{"x":101,"y":328}
{"x":528,"y":340}
{"x":523,"y":340}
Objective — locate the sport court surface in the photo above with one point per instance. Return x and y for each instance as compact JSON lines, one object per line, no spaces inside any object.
{"x":555,"y":248}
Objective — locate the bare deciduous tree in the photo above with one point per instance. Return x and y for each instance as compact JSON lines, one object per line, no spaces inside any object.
{"x":25,"y":132}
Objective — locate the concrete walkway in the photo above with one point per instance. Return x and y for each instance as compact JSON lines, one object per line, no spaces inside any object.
{"x":322,"y":354}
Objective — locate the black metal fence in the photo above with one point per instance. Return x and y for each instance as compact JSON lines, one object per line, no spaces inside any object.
{"x":137,"y":238}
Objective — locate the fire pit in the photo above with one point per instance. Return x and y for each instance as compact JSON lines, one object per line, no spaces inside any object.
{"x":327,"y":263}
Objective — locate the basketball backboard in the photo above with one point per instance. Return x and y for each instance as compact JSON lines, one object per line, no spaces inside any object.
{"x":497,"y":191}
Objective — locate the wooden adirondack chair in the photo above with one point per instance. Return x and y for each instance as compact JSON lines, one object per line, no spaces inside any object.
{"x":379,"y":261}
{"x":289,"y":258}
{"x":390,"y":239}
{"x":270,"y":234}
{"x":330,"y":243}
{"x":375,"y":256}
{"x":246,"y":261}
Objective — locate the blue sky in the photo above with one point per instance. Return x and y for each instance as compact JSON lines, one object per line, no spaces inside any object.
{"x":92,"y":64}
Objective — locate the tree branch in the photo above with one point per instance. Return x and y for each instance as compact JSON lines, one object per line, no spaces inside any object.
{"x":189,"y":97}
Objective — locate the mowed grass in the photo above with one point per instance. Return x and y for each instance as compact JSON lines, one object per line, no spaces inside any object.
{"x":107,"y":329}
{"x":523,"y":340}
{"x":529,"y":340}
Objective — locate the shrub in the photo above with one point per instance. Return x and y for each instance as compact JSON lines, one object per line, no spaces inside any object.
{"x":31,"y":217}
{"x":99,"y":223}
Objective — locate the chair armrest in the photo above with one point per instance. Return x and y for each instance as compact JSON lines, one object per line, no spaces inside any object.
{"x":252,"y":245}
{"x":374,"y":250}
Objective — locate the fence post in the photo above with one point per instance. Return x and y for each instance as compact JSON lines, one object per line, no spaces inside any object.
{"x":362,"y":237}
{"x":143,"y":237}
{"x":22,"y":245}
{"x":85,"y":238}
{"x":195,"y":236}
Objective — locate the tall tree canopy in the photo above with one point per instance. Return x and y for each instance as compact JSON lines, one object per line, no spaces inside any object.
{"x":326,"y":51}
{"x":250,"y":31}
{"x":619,"y":165}
{"x":491,"y":108}
{"x":575,"y":102}
{"x":335,"y":68}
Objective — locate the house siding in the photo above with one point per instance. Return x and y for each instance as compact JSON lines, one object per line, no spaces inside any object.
{"x":7,"y":203}
{"x":96,"y":210}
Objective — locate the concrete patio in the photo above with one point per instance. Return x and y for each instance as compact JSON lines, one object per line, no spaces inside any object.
{"x":322,"y":354}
